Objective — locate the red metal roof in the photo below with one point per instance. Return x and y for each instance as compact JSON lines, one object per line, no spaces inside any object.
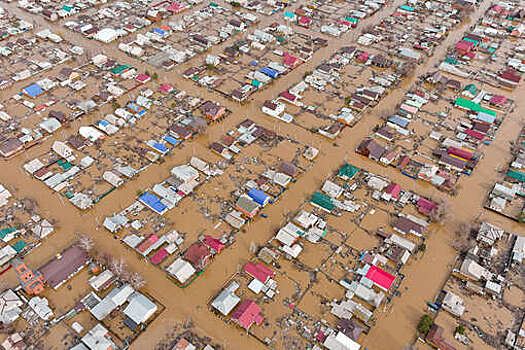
{"x":159,"y":256}
{"x":380,"y":277}
{"x":213,"y":243}
{"x":259,"y":271}
{"x":248,"y":313}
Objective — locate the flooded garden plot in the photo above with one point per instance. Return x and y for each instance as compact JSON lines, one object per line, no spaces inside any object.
{"x":439,"y":130}
{"x":231,"y":194}
{"x":25,"y":56}
{"x":187,"y":336}
{"x":45,"y":106}
{"x":414,"y":29}
{"x":338,"y":92}
{"x":57,"y":10}
{"x":333,"y":18}
{"x":250,"y":64}
{"x":113,"y":150}
{"x":263,"y":170}
{"x":491,"y":51}
{"x":80,"y":297}
{"x":22,"y":227}
{"x":182,"y":38}
{"x":117,"y":19}
{"x":255,"y":299}
{"x":342,"y":255}
{"x":12,"y":26}
{"x":478,"y":303}
{"x":507,"y":196}
{"x":265,"y":7}
{"x":155,"y":238}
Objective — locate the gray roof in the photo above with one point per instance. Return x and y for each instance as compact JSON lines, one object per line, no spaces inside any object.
{"x":140,"y":308}
{"x":226,"y":300}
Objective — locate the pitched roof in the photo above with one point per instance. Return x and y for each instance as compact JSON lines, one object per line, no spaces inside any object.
{"x":380,"y":277}
{"x":248,"y":313}
{"x":259,"y":271}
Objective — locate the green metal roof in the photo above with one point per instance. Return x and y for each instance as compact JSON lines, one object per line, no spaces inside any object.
{"x":475,"y":42}
{"x":473,"y":106}
{"x":516,"y":175}
{"x":120,"y":69}
{"x":5,"y":231}
{"x":19,"y":246}
{"x":322,"y":200}
{"x":347,"y":171}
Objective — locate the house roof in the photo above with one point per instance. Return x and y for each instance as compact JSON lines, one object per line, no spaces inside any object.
{"x":435,"y":337}
{"x":259,"y":271}
{"x":140,"y":308}
{"x":64,"y":265}
{"x":213,"y":243}
{"x":248,"y":313}
{"x":197,"y":254}
{"x":226,"y":300}
{"x":380,"y":277}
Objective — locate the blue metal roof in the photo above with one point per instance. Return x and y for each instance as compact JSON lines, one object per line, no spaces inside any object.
{"x":402,"y":122}
{"x":272,"y":73}
{"x":487,"y":118}
{"x":171,"y":140}
{"x":258,"y":196}
{"x":33,"y":90}
{"x":153,"y":202}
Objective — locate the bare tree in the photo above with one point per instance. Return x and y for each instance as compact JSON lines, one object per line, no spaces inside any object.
{"x":85,"y":243}
{"x":463,"y":240}
{"x":118,"y":267}
{"x":441,"y":212}
{"x":137,"y":280}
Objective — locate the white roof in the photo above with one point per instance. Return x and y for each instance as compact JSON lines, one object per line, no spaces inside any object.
{"x":90,"y":133}
{"x":106,"y":35}
{"x":10,"y":305}
{"x":226,"y":300}
{"x":96,"y":282}
{"x":98,"y":339}
{"x":140,"y":308}
{"x":489,"y":233}
{"x":181,"y":270}
{"x":340,"y":342}
{"x":41,"y":307}
{"x":472,"y":269}
{"x":185,"y":173}
{"x":255,"y":286}
{"x":518,"y":251}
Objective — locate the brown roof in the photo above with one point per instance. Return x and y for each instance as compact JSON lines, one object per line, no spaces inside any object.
{"x":435,"y":337}
{"x":63,"y":266}
{"x":10,"y":146}
{"x":198,"y":255}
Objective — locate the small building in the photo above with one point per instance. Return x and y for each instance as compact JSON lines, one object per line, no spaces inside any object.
{"x":10,"y":307}
{"x":31,"y":282}
{"x":226,"y":301}
{"x":340,"y":341}
{"x":453,"y":304}
{"x":247,"y":314}
{"x":259,"y":271}
{"x":139,"y":310}
{"x":247,"y":206}
{"x":380,"y":277}
{"x":98,"y":338}
{"x":198,"y":255}
{"x":181,"y":270}
{"x":64,"y":266}
{"x":435,"y":338}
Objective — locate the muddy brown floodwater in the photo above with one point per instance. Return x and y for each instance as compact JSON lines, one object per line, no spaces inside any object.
{"x":395,"y":328}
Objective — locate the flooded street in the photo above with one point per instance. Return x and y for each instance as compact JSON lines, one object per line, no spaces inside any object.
{"x":425,"y":275}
